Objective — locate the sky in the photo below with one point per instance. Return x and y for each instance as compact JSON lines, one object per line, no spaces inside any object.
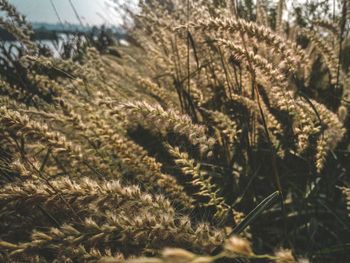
{"x":91,"y":12}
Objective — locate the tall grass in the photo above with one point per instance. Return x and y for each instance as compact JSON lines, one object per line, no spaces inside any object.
{"x":158,"y":152}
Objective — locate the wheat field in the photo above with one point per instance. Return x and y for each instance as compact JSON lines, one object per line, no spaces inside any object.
{"x":220,"y":134}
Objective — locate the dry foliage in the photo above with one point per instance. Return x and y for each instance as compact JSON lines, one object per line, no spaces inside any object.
{"x":168,"y":146}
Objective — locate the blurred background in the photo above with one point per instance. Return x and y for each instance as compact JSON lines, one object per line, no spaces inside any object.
{"x":57,"y":24}
{"x":71,"y":12}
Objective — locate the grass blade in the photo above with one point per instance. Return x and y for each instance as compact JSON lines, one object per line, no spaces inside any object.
{"x":255,"y":213}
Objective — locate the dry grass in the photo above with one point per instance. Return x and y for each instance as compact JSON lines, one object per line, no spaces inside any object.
{"x":171,"y":144}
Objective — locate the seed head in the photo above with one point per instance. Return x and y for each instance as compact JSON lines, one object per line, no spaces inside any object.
{"x":238,"y":246}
